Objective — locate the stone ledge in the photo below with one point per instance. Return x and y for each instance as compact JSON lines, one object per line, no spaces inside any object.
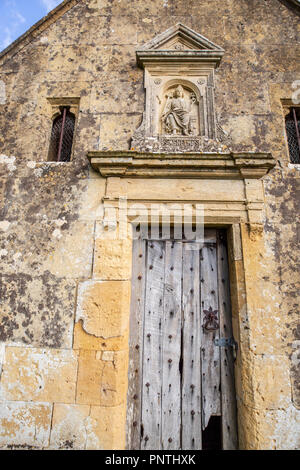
{"x":187,"y":165}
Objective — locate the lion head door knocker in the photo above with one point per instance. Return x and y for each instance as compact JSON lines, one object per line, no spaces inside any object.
{"x":211,"y":320}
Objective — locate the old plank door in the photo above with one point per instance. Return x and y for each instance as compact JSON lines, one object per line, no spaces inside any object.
{"x":179,"y":377}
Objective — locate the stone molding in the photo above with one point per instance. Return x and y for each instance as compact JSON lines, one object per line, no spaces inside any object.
{"x":187,"y":165}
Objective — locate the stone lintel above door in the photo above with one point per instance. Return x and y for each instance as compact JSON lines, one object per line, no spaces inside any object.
{"x":186,"y":165}
{"x":228,"y":186}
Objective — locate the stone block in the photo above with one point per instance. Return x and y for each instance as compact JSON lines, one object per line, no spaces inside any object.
{"x":24,"y":425}
{"x":91,"y":207}
{"x":175,"y":189}
{"x":266,"y":382}
{"x":108,"y":428}
{"x":72,"y":255}
{"x":113,"y":259}
{"x":39,"y":375}
{"x":83,"y":340}
{"x":37,"y":310}
{"x":269,"y":430}
{"x":81,"y":427}
{"x":281,"y":429}
{"x":102,"y":381}
{"x":123,"y":7}
{"x":106,"y":98}
{"x":263,"y":295}
{"x":90,"y":371}
{"x":70,"y":425}
{"x":113,"y":389}
{"x":104,"y":307}
{"x":117,"y":133}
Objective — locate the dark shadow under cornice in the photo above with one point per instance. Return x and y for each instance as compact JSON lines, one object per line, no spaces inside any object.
{"x":293,"y":5}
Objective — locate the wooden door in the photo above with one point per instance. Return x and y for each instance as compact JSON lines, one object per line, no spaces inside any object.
{"x":181,"y":373}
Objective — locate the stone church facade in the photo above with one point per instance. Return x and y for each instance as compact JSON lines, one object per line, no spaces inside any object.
{"x":167,"y":104}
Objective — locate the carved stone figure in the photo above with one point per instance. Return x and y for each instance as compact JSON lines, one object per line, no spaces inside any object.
{"x":177,"y":116}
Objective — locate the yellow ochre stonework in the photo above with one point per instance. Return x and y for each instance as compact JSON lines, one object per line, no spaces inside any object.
{"x":66,"y":281}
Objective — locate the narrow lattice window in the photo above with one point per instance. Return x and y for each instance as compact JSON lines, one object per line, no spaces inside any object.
{"x":292,"y":125}
{"x":62,"y":136}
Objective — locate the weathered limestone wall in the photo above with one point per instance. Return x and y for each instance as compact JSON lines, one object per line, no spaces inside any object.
{"x":65,"y":291}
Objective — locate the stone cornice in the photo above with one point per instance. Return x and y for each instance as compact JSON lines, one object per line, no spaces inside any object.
{"x":187,"y":165}
{"x":152,"y":57}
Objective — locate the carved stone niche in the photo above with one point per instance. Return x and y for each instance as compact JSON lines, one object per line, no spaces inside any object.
{"x":179,"y":115}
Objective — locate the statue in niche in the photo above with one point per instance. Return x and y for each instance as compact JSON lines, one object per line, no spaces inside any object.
{"x":177,"y":116}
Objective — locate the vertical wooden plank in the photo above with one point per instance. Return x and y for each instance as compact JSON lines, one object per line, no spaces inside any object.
{"x":191,"y":367}
{"x":228,"y":396}
{"x":135,"y":342}
{"x":171,"y":348}
{"x":210,"y":354}
{"x":152,"y":347}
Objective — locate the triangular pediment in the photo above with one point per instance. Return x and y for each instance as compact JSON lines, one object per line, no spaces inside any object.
{"x":179,"y":43}
{"x":182,"y":37}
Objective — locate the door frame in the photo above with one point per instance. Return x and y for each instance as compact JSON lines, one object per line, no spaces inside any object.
{"x":230,"y":188}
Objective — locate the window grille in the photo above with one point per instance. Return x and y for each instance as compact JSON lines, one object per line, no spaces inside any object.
{"x":292,"y":125}
{"x":62,"y":136}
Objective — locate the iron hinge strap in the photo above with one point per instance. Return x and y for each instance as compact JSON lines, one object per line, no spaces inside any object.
{"x":226,"y":343}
